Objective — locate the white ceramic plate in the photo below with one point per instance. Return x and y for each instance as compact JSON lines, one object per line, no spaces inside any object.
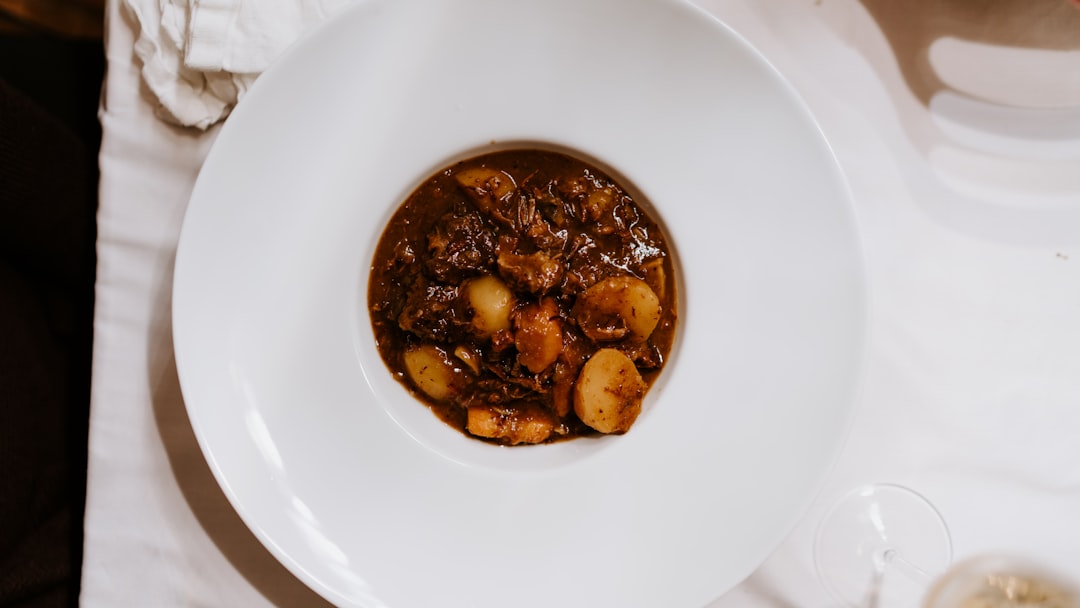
{"x":356,"y":487}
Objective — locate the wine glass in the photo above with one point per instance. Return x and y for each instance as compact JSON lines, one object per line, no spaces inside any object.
{"x":994,"y":581}
{"x":881,"y":546}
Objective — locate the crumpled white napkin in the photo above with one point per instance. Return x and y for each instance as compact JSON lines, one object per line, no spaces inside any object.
{"x":199,"y":57}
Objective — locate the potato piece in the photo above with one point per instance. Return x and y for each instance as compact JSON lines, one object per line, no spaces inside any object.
{"x":656,"y":276}
{"x":491,"y":302}
{"x":432,"y":372}
{"x":486,"y":186}
{"x":616,"y":308}
{"x":521,"y":422}
{"x":608,"y":393}
{"x":538,"y":335}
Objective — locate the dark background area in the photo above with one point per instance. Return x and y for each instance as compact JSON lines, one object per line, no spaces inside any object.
{"x":50,"y":82}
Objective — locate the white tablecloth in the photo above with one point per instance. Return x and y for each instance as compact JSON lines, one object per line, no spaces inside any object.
{"x":959,"y":130}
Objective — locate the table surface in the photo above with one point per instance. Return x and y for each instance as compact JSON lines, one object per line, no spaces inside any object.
{"x":959,"y":131}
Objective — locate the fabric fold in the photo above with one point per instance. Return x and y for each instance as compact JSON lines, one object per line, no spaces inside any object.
{"x":199,"y":57}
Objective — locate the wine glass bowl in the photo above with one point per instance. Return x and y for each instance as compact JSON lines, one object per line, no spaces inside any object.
{"x":1001,"y":581}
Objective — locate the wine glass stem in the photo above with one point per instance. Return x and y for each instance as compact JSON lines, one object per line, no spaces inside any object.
{"x":873,"y":593}
{"x":883,"y":562}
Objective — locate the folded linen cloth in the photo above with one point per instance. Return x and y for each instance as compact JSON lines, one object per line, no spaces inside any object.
{"x":199,"y":57}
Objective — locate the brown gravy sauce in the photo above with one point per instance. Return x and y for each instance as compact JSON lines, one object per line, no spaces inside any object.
{"x":525,"y":297}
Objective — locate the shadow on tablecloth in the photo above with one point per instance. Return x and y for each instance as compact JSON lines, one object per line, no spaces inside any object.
{"x":911,"y":28}
{"x":984,"y":90}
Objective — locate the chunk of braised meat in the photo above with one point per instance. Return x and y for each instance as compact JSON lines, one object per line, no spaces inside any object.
{"x":536,"y":229}
{"x":576,"y":349}
{"x":594,"y":199}
{"x":582,"y":267}
{"x":563,"y":388}
{"x":460,"y":246}
{"x":575,"y":187}
{"x":611,"y":212}
{"x":404,"y":254}
{"x":503,"y":383}
{"x":575,"y":352}
{"x":430,"y":311}
{"x":645,"y":355}
{"x":523,"y":422}
{"x":538,"y":334}
{"x":494,"y":391}
{"x":555,"y":209}
{"x":512,"y":372}
{"x":501,"y":340}
{"x":535,"y":273}
{"x":598,"y":204}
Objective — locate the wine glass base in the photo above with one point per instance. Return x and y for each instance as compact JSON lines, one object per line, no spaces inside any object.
{"x":880,"y":546}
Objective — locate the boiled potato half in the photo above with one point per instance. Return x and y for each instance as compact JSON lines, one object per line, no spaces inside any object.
{"x":608,"y":392}
{"x":491,"y":302}
{"x":432,"y":372}
{"x":616,"y":308}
